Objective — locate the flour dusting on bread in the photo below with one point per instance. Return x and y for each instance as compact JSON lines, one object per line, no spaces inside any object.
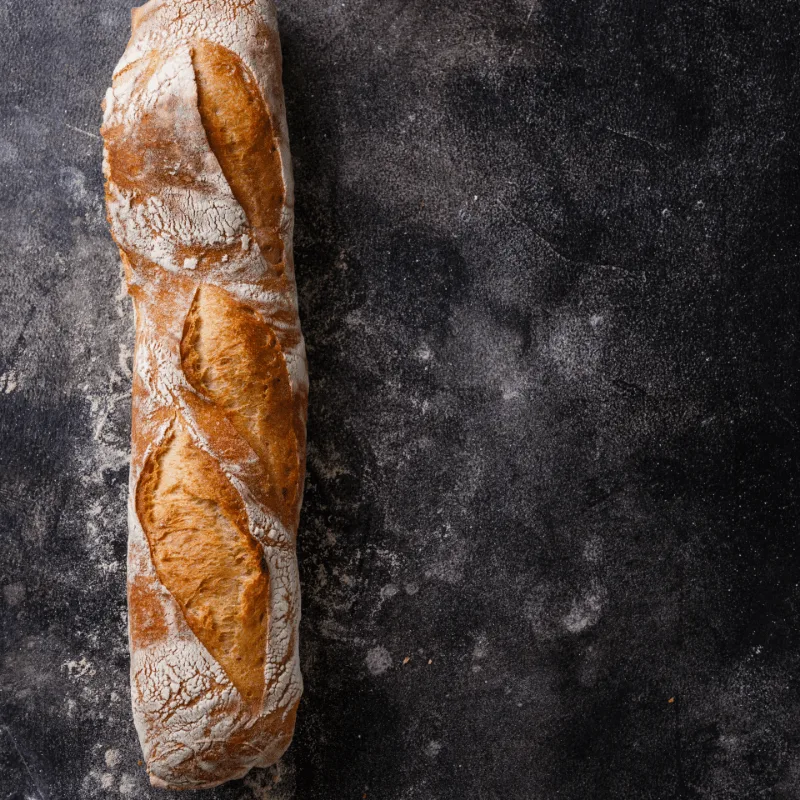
{"x":200,"y":202}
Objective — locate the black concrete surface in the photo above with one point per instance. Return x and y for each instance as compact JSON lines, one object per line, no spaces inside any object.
{"x":547,"y":255}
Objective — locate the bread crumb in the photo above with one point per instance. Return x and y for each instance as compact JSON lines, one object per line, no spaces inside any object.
{"x":406,"y":659}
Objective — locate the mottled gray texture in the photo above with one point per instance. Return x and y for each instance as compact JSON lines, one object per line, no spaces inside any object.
{"x":548,"y":266}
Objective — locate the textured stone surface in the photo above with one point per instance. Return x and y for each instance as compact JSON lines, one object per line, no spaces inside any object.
{"x":548,"y":266}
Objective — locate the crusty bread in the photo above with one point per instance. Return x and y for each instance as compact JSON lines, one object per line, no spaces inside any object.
{"x":200,"y":202}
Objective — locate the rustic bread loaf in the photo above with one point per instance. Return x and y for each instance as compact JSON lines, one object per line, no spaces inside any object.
{"x":200,"y":202}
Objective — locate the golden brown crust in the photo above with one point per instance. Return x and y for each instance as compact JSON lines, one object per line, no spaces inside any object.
{"x":146,"y":623}
{"x":234,"y":358}
{"x":196,"y":525}
{"x":197,"y":171}
{"x":242,"y":137}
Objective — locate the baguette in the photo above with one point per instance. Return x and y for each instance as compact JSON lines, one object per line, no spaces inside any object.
{"x":200,"y":203}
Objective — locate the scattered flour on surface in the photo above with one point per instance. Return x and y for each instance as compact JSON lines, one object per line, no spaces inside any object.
{"x":378,"y":660}
{"x":8,"y":150}
{"x":573,"y":347}
{"x":593,"y":550}
{"x":433,"y":748}
{"x":450,"y":559}
{"x":79,"y":669}
{"x":14,"y":594}
{"x":388,"y":591}
{"x":585,"y":612}
{"x":265,"y":784}
{"x":479,"y":652}
{"x":8,"y":382}
{"x":424,"y":353}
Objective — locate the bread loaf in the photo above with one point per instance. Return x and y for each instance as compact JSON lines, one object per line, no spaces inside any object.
{"x":200,"y":202}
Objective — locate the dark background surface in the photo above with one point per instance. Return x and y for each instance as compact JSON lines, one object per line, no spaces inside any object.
{"x":547,"y":256}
